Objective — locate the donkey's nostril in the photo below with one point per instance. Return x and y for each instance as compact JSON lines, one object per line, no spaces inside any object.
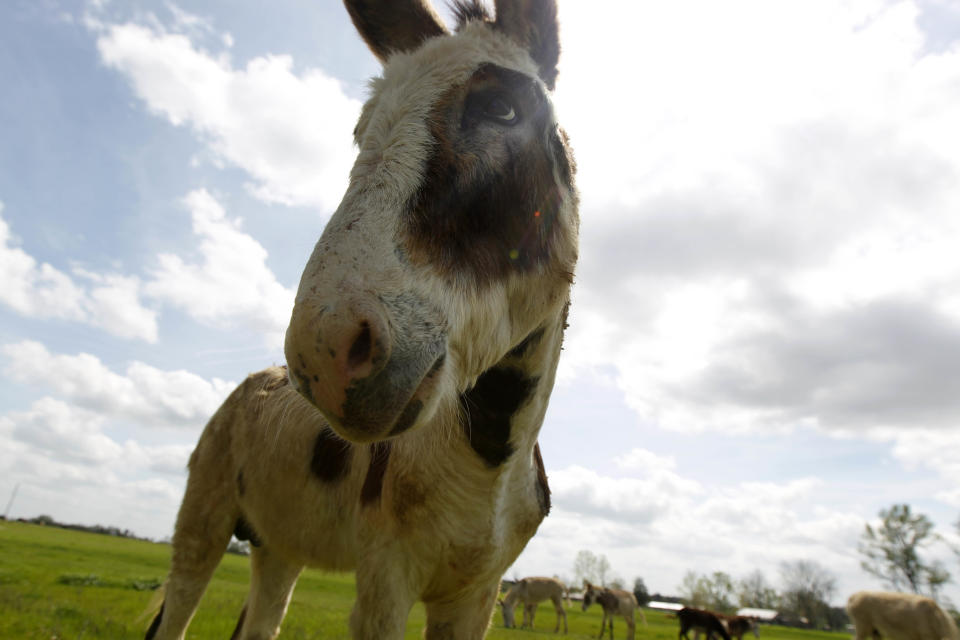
{"x":361,"y":348}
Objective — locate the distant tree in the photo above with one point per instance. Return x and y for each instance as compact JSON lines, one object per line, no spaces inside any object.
{"x":640,"y":592}
{"x":892,"y":551}
{"x":585,"y":567}
{"x":711,"y":592}
{"x":603,"y":569}
{"x":754,"y":591}
{"x":807,"y":589}
{"x":837,"y":618}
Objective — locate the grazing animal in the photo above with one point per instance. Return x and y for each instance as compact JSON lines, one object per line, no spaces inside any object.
{"x":899,"y":616}
{"x":736,"y":626}
{"x":699,"y":620}
{"x":614,"y":602}
{"x":401,"y":443}
{"x":739,"y":625}
{"x":530,"y":592}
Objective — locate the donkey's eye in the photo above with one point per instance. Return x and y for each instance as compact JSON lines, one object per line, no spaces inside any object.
{"x":499,"y":108}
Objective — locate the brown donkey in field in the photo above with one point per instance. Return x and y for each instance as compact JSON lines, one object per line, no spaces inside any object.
{"x":402,"y":441}
{"x":614,"y":602}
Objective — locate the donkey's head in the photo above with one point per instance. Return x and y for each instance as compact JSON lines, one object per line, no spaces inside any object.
{"x":456,"y":238}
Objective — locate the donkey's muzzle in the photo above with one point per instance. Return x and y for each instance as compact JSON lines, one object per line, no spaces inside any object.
{"x":364,"y":362}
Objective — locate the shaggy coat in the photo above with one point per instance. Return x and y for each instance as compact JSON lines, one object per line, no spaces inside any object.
{"x":614,"y":602}
{"x":401,"y":441}
{"x":899,"y":616}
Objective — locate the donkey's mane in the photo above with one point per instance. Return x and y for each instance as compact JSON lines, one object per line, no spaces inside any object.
{"x":466,"y":10}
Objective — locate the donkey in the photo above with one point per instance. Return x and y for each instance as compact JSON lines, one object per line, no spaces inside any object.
{"x":401,"y":441}
{"x":530,"y":592}
{"x":614,"y":602}
{"x":700,"y":620}
{"x":899,"y":616}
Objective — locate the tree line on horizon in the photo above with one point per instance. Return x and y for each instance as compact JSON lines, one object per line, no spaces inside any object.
{"x":893,"y":551}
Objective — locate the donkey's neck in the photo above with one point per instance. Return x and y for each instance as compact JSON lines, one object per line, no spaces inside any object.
{"x":501,"y":415}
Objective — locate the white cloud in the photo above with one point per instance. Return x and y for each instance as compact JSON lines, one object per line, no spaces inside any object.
{"x":66,"y":465}
{"x":43,"y":291}
{"x":290,"y":132}
{"x":769,"y":227}
{"x":232,"y":284}
{"x":659,"y":530}
{"x":144,"y":395}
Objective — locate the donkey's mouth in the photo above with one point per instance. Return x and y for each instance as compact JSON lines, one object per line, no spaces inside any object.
{"x":393,"y":400}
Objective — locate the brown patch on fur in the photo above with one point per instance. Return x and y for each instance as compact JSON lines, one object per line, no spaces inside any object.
{"x":407,"y":496}
{"x":241,"y":487}
{"x":489,"y":202}
{"x":543,"y":487}
{"x":394,"y":25}
{"x":373,"y":483}
{"x":331,"y":456}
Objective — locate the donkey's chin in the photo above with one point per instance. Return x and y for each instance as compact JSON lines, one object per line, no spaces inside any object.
{"x":390,"y":403}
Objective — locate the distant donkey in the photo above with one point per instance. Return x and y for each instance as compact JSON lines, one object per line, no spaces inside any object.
{"x":402,"y":441}
{"x":529,"y":592}
{"x":614,"y":602}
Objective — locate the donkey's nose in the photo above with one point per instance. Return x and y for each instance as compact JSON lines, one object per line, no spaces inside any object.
{"x":331,"y":347}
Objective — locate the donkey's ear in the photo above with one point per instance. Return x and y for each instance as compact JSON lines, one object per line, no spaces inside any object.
{"x":533,"y":24}
{"x":394,"y":25}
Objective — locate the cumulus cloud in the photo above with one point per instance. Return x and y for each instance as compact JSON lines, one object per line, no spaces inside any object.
{"x":66,"y":464}
{"x":110,"y":302}
{"x":231,"y":285}
{"x":659,"y":530}
{"x":769,"y":228}
{"x":290,"y":132}
{"x":144,"y":394}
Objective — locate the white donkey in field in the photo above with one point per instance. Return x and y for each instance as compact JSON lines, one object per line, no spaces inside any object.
{"x":402,"y":441}
{"x":529,"y":592}
{"x":899,"y":616}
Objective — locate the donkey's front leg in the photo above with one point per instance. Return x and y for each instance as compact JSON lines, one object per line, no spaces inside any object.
{"x":385,"y":595}
{"x":467,"y":618}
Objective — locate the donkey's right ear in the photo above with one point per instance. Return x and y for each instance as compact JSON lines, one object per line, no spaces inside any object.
{"x":394,"y":25}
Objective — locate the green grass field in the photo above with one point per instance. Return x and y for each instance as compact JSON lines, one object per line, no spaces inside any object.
{"x":57,"y":584}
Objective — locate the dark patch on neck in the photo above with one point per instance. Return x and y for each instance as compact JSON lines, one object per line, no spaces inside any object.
{"x":152,"y":631}
{"x":531,"y":340}
{"x":236,"y":630}
{"x":373,"y":483}
{"x":543,"y":487}
{"x":244,"y":532}
{"x":488,"y":407}
{"x":331,"y":456}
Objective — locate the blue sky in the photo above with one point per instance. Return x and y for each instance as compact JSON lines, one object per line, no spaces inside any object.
{"x":765,"y":337}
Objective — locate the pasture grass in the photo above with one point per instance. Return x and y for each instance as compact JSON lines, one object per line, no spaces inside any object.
{"x":57,"y":584}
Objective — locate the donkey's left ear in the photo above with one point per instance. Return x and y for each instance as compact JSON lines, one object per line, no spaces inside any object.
{"x":533,"y":24}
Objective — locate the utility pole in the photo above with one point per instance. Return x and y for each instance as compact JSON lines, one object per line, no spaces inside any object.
{"x":10,"y":503}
